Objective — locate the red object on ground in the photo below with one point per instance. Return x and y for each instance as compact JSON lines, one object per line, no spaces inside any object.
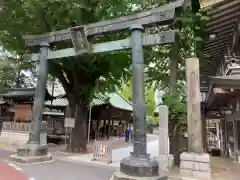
{"x":9,"y":173}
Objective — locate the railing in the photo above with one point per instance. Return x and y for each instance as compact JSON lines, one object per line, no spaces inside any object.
{"x":207,"y":3}
{"x":102,"y":151}
{"x":19,"y":127}
{"x":12,"y":126}
{"x":230,"y":66}
{"x":5,"y":119}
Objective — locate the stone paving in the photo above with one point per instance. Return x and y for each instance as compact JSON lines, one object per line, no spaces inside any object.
{"x":222,"y":168}
{"x":71,"y":166}
{"x":117,"y":155}
{"x":66,"y":171}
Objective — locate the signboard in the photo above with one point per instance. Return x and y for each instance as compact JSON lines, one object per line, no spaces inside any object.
{"x":102,"y":149}
{"x":69,"y":122}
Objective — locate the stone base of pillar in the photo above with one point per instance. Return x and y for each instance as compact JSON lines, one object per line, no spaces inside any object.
{"x":121,"y":176}
{"x":31,"y":153}
{"x":195,"y":165}
{"x":139,"y":166}
{"x":166,"y":162}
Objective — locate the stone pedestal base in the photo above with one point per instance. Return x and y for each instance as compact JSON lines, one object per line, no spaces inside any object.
{"x":32,"y":153}
{"x":139,"y":166}
{"x":121,"y":176}
{"x":165,"y":162}
{"x":195,"y":166}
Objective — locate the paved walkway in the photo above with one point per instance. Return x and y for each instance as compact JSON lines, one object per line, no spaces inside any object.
{"x":60,"y":170}
{"x":222,"y":168}
{"x":117,"y":155}
{"x":225,"y":169}
{"x":11,"y":172}
{"x":77,"y":167}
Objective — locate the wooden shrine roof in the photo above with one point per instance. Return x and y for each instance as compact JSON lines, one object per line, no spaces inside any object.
{"x":223,"y":90}
{"x":22,"y":93}
{"x":225,"y":16}
{"x":114,"y":99}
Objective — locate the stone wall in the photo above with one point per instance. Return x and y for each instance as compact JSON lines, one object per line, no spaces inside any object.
{"x":195,"y":165}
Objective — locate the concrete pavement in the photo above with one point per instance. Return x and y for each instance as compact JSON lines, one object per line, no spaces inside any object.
{"x":117,"y":155}
{"x":59,"y":170}
{"x":66,"y":171}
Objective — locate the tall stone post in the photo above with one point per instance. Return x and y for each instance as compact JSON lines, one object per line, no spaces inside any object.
{"x":34,"y":151}
{"x":194,"y":163}
{"x":165,"y":159}
{"x":138,"y":164}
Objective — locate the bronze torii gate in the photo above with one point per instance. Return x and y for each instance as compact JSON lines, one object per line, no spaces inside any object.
{"x":139,"y":162}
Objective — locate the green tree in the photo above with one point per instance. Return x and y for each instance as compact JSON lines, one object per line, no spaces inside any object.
{"x":15,"y":72}
{"x":126,"y":91}
{"x":81,"y":77}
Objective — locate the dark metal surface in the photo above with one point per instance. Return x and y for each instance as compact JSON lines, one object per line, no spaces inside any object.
{"x":34,"y":135}
{"x":139,"y":167}
{"x":161,"y":15}
{"x":139,"y":108}
{"x":34,"y":149}
{"x":163,"y":37}
{"x":139,"y":163}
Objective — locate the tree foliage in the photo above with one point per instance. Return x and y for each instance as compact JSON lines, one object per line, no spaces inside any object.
{"x":82,"y":76}
{"x":15,"y":72}
{"x":126,"y":92}
{"x":177,"y":110}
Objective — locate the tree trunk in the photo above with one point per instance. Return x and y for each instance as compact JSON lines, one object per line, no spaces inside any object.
{"x":173,"y":76}
{"x":78,"y":140}
{"x":174,"y":142}
{"x":174,"y":145}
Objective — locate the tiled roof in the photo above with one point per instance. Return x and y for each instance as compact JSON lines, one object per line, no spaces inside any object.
{"x":115,"y":99}
{"x":17,"y":92}
{"x":99,"y":99}
{"x":23,"y":92}
{"x":57,"y":102}
{"x":120,"y":102}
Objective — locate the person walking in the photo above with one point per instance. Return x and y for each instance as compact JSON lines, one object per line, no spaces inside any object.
{"x":127,"y":133}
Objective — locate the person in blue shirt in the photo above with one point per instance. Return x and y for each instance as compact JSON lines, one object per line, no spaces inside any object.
{"x":127,"y":133}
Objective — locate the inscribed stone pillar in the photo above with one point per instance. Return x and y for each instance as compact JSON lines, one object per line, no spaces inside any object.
{"x":194,"y":163}
{"x":165,"y":159}
{"x":194,"y":123}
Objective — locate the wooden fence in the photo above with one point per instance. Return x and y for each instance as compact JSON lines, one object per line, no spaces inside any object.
{"x":102,"y":151}
{"x":20,"y":127}
{"x":12,"y":126}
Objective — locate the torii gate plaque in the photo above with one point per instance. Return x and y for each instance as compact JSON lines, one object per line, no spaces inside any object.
{"x":139,"y":163}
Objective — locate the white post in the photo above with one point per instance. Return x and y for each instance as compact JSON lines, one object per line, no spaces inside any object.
{"x":218,"y":134}
{"x":165,"y":159}
{"x":89,"y":121}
